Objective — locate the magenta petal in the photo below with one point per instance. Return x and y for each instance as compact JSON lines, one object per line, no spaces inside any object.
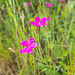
{"x":28,"y":3}
{"x":34,"y":45}
{"x":23,"y":50}
{"x":24,"y":43}
{"x":48,"y":4}
{"x":43,"y":19}
{"x":48,"y":18}
{"x":32,"y":22}
{"x":31,"y":40}
{"x":29,"y":50}
{"x":37,"y":19}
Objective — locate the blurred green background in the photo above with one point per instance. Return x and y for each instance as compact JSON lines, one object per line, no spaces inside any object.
{"x":55,"y":53}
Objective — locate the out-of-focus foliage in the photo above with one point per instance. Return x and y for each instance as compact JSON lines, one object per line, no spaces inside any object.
{"x":55,"y":53}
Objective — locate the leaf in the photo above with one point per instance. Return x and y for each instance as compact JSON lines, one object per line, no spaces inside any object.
{"x":51,"y":72}
{"x":40,"y":67}
{"x":65,"y":53}
{"x":31,"y":19}
{"x":51,"y":46}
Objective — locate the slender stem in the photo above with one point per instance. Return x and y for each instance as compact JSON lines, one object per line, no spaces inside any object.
{"x":34,"y":63}
{"x":70,"y":66}
{"x":38,"y":30}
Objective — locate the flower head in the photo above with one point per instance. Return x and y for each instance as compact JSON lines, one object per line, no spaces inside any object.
{"x":39,"y":22}
{"x":28,"y":3}
{"x":28,"y":45}
{"x":48,"y":4}
{"x":61,"y":0}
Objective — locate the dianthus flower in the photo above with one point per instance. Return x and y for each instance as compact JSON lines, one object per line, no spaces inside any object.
{"x":28,"y":45}
{"x":61,"y":0}
{"x":48,"y":4}
{"x":28,"y":3}
{"x":39,"y":22}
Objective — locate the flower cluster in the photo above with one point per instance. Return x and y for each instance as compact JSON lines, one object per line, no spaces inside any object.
{"x":38,"y":22}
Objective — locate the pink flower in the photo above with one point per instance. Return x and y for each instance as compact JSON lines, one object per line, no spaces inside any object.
{"x":61,"y":0}
{"x":48,"y":4}
{"x":28,"y":3}
{"x":39,"y":22}
{"x":28,"y":45}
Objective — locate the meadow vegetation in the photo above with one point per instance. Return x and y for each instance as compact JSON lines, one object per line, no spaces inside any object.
{"x":55,"y":52}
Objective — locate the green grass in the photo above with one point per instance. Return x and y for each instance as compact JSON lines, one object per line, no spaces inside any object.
{"x":55,"y":53}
